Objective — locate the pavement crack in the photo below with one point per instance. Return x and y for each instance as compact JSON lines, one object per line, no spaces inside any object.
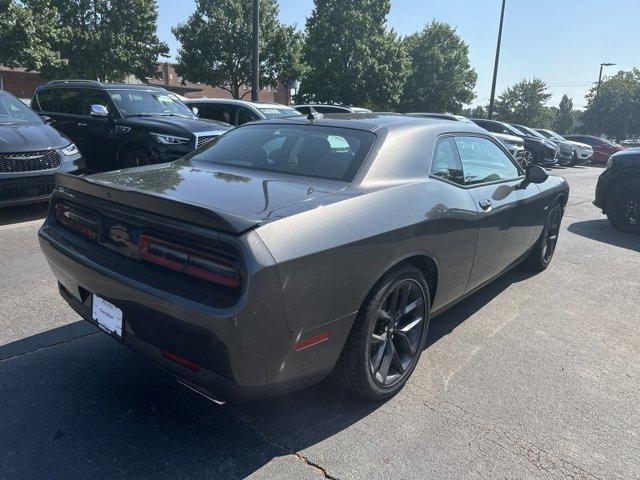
{"x":44,"y":347}
{"x":282,"y":447}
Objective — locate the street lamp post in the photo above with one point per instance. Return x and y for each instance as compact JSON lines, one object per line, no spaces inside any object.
{"x":255,"y":60}
{"x":597,"y":100}
{"x":495,"y":66}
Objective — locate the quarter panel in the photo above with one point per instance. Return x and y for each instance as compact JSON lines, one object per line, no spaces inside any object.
{"x":329,"y":257}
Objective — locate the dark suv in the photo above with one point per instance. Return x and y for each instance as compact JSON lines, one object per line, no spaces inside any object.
{"x":536,"y":150}
{"x":122,"y":125}
{"x":30,"y":153}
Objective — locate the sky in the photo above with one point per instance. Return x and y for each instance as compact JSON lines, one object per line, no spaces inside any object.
{"x":562,"y":42}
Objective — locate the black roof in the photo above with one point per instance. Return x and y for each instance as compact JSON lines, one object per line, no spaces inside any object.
{"x":101,"y":85}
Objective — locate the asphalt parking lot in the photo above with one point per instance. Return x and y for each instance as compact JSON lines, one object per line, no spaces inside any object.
{"x":532,"y":377}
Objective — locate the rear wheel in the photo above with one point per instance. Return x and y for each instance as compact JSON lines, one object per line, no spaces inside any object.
{"x":540,"y":257}
{"x":623,"y":206}
{"x":527,"y":158}
{"x":387,"y":337}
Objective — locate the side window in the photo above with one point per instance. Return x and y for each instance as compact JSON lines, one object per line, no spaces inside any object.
{"x":446,"y":164}
{"x":304,"y":110}
{"x":245,"y":115}
{"x":483,"y":161}
{"x":70,"y":102}
{"x":47,"y":100}
{"x":93,"y":97}
{"x":220,"y":112}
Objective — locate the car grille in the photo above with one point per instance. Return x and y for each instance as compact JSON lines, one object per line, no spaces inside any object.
{"x":31,"y":187}
{"x":205,"y":139}
{"x":29,"y":161}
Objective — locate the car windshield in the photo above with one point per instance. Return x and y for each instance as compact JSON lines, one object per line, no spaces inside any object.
{"x":514,"y":131}
{"x":140,"y":103}
{"x":555,"y":136}
{"x":273,"y":111}
{"x":13,"y":112}
{"x":529,"y":131}
{"x":306,"y":150}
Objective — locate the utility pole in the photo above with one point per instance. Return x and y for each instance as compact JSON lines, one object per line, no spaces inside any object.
{"x":597,"y":99}
{"x":495,"y":66}
{"x":255,"y":60}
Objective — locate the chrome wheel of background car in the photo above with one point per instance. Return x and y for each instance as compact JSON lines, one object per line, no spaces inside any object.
{"x":551,"y":232}
{"x":623,"y":206}
{"x":526,"y":158}
{"x":397,"y":332}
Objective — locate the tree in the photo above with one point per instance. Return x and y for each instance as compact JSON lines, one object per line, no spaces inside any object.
{"x":25,"y":37}
{"x":441,"y":78}
{"x":103,"y":39}
{"x":616,"y":113}
{"x":563,"y":122}
{"x":478,"y":111}
{"x":351,"y":57}
{"x":216,"y":45}
{"x":524,"y":103}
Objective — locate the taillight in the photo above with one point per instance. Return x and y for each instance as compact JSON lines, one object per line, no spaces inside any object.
{"x":197,"y":264}
{"x":76,"y":221}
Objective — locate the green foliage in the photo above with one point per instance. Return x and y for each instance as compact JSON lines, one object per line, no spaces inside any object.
{"x":102,"y":39}
{"x":563,"y":121}
{"x":351,"y":57}
{"x":523,"y":103}
{"x":441,"y":78}
{"x":216,"y":45}
{"x":25,"y":37}
{"x":478,"y":111}
{"x":617,"y":113}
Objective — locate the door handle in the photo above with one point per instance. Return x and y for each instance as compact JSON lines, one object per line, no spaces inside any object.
{"x":485,"y":204}
{"x":80,"y":124}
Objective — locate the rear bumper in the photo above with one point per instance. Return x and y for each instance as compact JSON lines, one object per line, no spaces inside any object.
{"x":242,"y":353}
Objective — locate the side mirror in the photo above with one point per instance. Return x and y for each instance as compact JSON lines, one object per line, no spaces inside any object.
{"x":46,"y":119}
{"x":195,"y":110}
{"x":535,"y":174}
{"x":99,"y":111}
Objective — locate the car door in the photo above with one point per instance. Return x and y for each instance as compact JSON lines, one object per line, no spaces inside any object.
{"x":507,"y":211}
{"x":98,"y":133}
{"x":66,"y":115}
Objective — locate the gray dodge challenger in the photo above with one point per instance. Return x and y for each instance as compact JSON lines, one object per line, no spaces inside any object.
{"x":289,"y":250}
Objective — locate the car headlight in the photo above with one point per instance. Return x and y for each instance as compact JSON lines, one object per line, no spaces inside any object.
{"x":170,"y":139}
{"x":70,"y":150}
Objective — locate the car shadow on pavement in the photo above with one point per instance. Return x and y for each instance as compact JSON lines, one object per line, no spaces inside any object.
{"x":77,"y":405}
{"x":602,"y":231}
{"x":23,"y":213}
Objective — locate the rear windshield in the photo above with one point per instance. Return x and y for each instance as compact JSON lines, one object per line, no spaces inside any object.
{"x":306,"y":150}
{"x":279,"y":112}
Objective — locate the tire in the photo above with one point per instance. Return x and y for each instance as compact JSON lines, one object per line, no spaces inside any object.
{"x":135,"y":158}
{"x":385,"y":344}
{"x":623,"y":206}
{"x":574,"y":159}
{"x":542,"y":253}
{"x":529,"y":157}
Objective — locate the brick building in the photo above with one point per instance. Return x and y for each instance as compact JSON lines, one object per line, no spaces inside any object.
{"x":22,"y":84}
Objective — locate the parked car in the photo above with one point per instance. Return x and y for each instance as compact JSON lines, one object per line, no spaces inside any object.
{"x":238,"y":112}
{"x":537,"y":151}
{"x":322,"y":108}
{"x":122,"y":125}
{"x":291,"y":248}
{"x":631,"y":143}
{"x":618,"y":190}
{"x":581,"y":151}
{"x":30,"y":153}
{"x":602,"y":149}
{"x":514,"y":144}
{"x":566,"y":152}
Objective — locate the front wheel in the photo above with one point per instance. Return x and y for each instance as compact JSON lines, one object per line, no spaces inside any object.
{"x":527,"y":158}
{"x":623,"y":206}
{"x":387,"y":337}
{"x":135,"y":158}
{"x":540,"y":256}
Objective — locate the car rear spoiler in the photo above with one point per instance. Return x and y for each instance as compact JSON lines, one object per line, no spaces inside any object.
{"x":201,"y":215}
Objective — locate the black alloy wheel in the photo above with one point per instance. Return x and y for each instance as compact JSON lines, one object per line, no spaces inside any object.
{"x":136,"y":158}
{"x":623,"y":206}
{"x":388,"y":335}
{"x":397,"y":332}
{"x":542,"y":253}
